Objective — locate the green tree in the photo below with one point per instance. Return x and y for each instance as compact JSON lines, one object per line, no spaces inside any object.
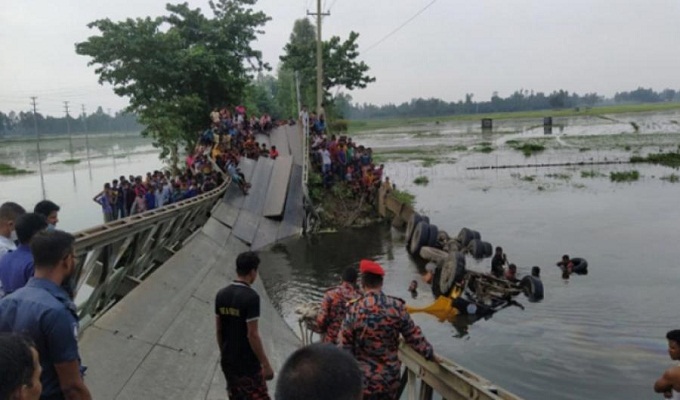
{"x":176,"y":68}
{"x":341,"y":68}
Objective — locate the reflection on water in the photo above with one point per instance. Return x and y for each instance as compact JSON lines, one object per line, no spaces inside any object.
{"x":73,"y":186}
{"x":600,"y":336}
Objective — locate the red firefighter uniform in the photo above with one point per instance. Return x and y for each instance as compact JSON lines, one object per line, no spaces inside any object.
{"x":371,"y":332}
{"x":333,"y":310}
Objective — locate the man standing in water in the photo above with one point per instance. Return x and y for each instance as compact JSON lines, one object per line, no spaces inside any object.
{"x":237,"y":310}
{"x":371,"y":333}
{"x":669,"y":383}
{"x":334,"y":306}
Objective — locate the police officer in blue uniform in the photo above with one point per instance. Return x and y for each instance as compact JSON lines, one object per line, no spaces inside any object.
{"x":43,"y":311}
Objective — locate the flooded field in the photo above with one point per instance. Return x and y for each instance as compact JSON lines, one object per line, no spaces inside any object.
{"x":72,"y":186}
{"x":599,"y":336}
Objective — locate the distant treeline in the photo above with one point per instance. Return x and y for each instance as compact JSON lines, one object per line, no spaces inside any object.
{"x":521,"y":100}
{"x":22,"y":124}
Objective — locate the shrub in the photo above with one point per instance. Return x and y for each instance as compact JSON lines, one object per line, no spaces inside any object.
{"x":624,"y":176}
{"x":405,"y":197}
{"x":421,"y":180}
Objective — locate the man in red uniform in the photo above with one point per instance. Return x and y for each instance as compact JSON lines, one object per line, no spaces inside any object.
{"x":334,"y":306}
{"x":371,"y":333}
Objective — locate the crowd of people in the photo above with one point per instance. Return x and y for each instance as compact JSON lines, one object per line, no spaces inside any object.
{"x":230,"y":137}
{"x":339,"y":159}
{"x":123,"y":197}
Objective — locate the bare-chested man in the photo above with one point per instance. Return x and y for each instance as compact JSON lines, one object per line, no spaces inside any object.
{"x":669,"y":383}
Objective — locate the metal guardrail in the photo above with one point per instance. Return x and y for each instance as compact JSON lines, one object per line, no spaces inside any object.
{"x":305,"y":157}
{"x":113,"y":258}
{"x":422,"y":378}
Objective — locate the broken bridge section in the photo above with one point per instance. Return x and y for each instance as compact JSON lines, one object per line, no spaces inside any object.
{"x":158,"y":342}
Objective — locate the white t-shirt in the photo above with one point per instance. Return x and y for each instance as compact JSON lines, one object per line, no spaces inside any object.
{"x":325,"y":156}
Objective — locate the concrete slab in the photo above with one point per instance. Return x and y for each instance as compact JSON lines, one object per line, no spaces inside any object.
{"x":213,"y":229}
{"x":266,"y":233}
{"x":294,"y":135}
{"x":112,"y":359}
{"x":279,"y":139}
{"x":226,"y":213}
{"x":294,"y":213}
{"x":170,"y":374}
{"x":278,"y":187}
{"x":147,"y":312}
{"x":248,"y":220}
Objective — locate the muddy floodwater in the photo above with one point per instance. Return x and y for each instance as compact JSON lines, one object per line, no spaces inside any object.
{"x":72,"y":186}
{"x":599,"y":336}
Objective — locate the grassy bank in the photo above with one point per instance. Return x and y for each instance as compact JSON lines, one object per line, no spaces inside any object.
{"x":368,"y":125}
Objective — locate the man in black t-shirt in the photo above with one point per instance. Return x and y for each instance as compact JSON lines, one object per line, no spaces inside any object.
{"x":237,"y":310}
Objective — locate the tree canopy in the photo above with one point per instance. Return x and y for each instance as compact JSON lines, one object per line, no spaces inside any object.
{"x":175,"y":68}
{"x":340,"y":65}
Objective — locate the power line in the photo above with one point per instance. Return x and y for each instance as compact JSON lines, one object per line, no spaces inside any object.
{"x":332,"y":4}
{"x":422,"y":10}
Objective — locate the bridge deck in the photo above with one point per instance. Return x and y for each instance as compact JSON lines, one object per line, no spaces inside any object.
{"x":159,"y":342}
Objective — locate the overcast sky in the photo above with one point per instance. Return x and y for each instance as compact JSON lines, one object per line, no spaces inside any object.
{"x":454,"y":47}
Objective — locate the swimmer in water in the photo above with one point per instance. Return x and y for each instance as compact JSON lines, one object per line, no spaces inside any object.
{"x":669,"y":383}
{"x":413,"y":288}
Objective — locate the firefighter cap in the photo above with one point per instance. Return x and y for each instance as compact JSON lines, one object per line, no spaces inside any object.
{"x":371,"y":267}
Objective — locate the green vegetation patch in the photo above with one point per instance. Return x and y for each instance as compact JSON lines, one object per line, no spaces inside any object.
{"x":590,"y":174}
{"x":624,"y":176}
{"x":562,"y":176}
{"x":405,"y":197}
{"x":71,"y":161}
{"x":672,"y":178}
{"x":525,"y":178}
{"x":527,"y":148}
{"x":429,"y":162}
{"x":459,"y":147}
{"x":8,"y":170}
{"x":484,"y":147}
{"x":421,"y":180}
{"x":666,"y":159}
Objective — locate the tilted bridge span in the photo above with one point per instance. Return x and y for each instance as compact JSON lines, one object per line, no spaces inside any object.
{"x":146,"y":287}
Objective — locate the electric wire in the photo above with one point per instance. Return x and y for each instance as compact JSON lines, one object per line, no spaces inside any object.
{"x":422,"y":10}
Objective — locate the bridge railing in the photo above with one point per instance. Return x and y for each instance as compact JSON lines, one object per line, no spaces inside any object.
{"x":113,"y":258}
{"x":421,"y":379}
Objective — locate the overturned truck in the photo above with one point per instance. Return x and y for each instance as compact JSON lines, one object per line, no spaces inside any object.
{"x":457,"y":290}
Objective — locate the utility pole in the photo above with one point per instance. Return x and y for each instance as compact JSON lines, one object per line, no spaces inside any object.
{"x":87,"y":140}
{"x":319,"y":56}
{"x":68,"y":129}
{"x":37,"y":136}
